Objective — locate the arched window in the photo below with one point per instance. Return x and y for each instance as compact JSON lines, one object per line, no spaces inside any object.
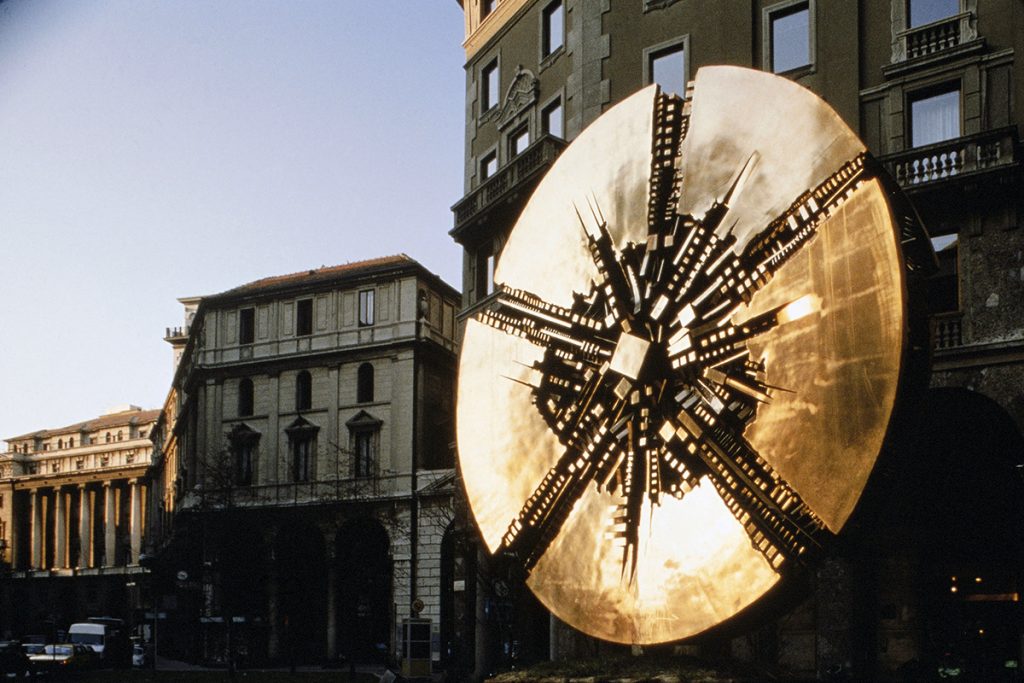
{"x":303,"y":391}
{"x":60,"y":444}
{"x":71,"y":442}
{"x":120,"y":434}
{"x":245,"y":397}
{"x":108,"y":437}
{"x":364,"y":383}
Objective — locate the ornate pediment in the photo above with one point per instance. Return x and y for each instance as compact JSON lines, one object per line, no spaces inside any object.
{"x":521,"y":94}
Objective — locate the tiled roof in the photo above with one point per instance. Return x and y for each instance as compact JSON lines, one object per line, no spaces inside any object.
{"x":322,"y":274}
{"x":128,"y":417}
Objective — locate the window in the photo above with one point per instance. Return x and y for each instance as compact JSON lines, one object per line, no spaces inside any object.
{"x":551,"y":119}
{"x":304,"y":317}
{"x":364,"y":430}
{"x":666,"y":65}
{"x":789,"y":38}
{"x":364,"y":456}
{"x":486,"y":274}
{"x":71,"y":442}
{"x":366,"y":307}
{"x":921,"y":12}
{"x":247,"y":326}
{"x":60,"y":444}
{"x":108,"y":437}
{"x":944,"y":285}
{"x":120,"y":435}
{"x":518,"y":141}
{"x":489,"y":86}
{"x":245,"y":397}
{"x":364,"y":383}
{"x":935,"y":116}
{"x":244,"y":443}
{"x":302,"y":445}
{"x":488,"y":165}
{"x":486,"y":7}
{"x":303,"y":391}
{"x":553,"y":28}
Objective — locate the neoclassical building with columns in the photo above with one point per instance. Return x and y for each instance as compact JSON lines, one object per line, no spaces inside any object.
{"x":72,"y":516}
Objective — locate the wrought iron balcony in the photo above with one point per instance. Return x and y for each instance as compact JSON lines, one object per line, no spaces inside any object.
{"x":526,"y":166}
{"x":982,"y":152}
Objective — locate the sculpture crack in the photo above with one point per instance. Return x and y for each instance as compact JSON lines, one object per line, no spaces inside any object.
{"x":647,"y":379}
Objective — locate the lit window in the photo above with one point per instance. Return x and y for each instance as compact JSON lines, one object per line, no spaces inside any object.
{"x":303,"y":391}
{"x":519,"y":141}
{"x":304,"y":317}
{"x":366,"y":307}
{"x":364,"y":383}
{"x":921,"y":12}
{"x":246,"y":326}
{"x":667,"y":68}
{"x":935,"y":116}
{"x":245,"y":397}
{"x":551,"y":119}
{"x":790,"y":37}
{"x":489,"y":85}
{"x":554,"y":28}
{"x":488,"y":165}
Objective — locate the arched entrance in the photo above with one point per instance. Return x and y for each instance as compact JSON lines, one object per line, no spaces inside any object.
{"x":959,"y":501}
{"x":364,"y":606}
{"x":300,"y":564}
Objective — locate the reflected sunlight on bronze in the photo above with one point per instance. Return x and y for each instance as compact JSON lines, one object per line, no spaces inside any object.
{"x":688,"y":370}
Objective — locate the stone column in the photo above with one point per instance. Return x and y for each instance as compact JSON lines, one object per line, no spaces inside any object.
{"x":273,"y":631}
{"x":60,"y":530}
{"x":332,"y":603}
{"x":136,"y":520}
{"x":36,"y":561}
{"x":109,"y":525}
{"x":85,"y":558}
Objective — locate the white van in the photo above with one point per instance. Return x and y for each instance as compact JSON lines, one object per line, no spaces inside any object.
{"x":93,"y":635}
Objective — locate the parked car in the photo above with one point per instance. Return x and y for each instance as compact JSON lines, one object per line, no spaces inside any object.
{"x":14,"y":663}
{"x":65,"y":657}
{"x":138,"y":656}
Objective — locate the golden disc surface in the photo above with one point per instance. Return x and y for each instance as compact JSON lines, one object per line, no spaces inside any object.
{"x":683,"y":381}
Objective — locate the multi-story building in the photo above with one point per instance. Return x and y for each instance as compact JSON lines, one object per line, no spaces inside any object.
{"x":72,"y":512}
{"x":304,"y":468}
{"x":932,"y":88}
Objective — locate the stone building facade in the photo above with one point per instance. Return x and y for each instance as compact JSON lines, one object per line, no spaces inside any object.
{"x":930,"y":566}
{"x":303,"y":478}
{"x":72,"y":515}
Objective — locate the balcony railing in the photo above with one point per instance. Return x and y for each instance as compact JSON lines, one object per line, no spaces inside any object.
{"x":960,"y":156}
{"x":534,"y":158}
{"x":937,"y":36}
{"x":947,"y":330}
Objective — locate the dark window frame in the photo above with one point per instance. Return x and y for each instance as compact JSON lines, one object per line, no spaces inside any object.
{"x":515,"y":136}
{"x":246,"y":326}
{"x":779,"y":11}
{"x":303,"y":317}
{"x":367,"y":307}
{"x":929,"y":92}
{"x":651,"y":54}
{"x":365,"y":383}
{"x":246,"y":397}
{"x":303,"y":391}
{"x":490,"y":92}
{"x":555,"y":103}
{"x":302,"y":439}
{"x":547,"y":45}
{"x":244,"y":444}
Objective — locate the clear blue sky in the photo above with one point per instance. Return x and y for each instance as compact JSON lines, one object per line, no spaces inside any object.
{"x":151,"y":150}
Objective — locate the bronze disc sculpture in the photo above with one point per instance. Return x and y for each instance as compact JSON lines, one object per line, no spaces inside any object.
{"x":687,"y":372}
